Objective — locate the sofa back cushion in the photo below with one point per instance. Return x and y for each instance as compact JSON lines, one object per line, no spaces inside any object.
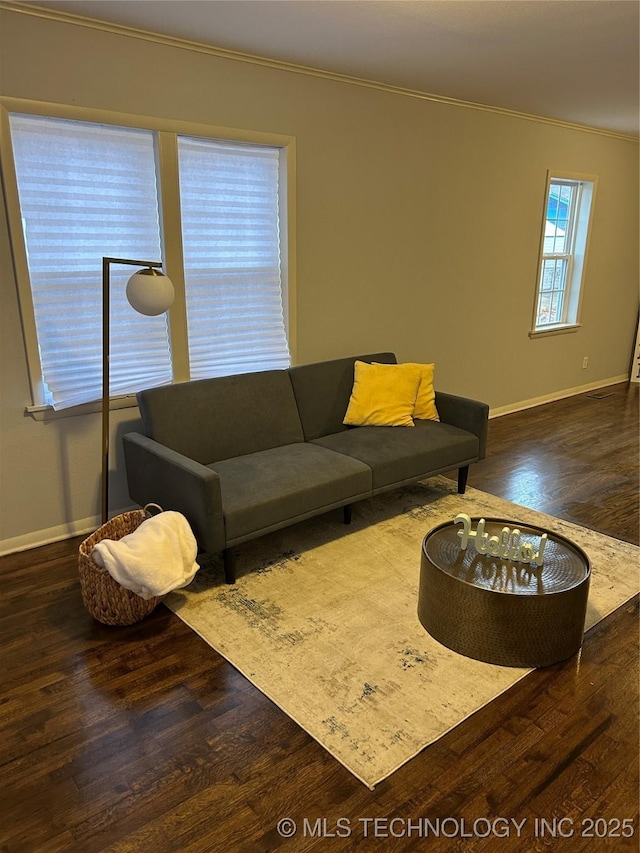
{"x":213,"y":419}
{"x":323,"y":390}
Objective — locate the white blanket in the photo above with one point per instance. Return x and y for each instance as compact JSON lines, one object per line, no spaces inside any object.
{"x":157,"y":557}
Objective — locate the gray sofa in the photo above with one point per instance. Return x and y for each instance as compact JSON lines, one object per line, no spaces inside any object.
{"x":244,"y":455}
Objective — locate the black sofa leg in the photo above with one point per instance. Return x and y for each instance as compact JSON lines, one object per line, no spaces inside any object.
{"x":229,"y":558}
{"x":463,"y":473}
{"x":346,"y":513}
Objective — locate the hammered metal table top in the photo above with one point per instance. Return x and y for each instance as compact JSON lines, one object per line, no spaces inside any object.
{"x":565,"y":567}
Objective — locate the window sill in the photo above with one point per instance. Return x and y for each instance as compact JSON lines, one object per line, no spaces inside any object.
{"x":47,"y":413}
{"x":554,"y":330}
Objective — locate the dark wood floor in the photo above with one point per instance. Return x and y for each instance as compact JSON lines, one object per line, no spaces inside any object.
{"x":144,"y":739}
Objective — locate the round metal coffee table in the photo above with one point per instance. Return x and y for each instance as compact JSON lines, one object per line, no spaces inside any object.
{"x":501,"y":611}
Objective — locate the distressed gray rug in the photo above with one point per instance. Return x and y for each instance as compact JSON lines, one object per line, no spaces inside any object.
{"x":323,"y":620}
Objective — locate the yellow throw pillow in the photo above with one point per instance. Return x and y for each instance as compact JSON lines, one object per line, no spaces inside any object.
{"x":383,"y":394}
{"x":425,"y":408}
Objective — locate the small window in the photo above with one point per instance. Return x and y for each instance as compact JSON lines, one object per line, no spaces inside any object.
{"x":565,"y":234}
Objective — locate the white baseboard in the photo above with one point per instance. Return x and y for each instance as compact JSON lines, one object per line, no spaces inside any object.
{"x":36,"y":538}
{"x":558,"y":395}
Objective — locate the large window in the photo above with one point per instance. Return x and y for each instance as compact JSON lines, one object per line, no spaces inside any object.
{"x":212,"y":210}
{"x":565,"y":234}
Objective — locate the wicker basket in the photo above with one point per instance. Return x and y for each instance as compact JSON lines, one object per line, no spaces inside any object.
{"x":103,"y":597}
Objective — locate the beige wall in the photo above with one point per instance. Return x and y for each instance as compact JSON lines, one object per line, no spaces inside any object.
{"x":417,"y":231}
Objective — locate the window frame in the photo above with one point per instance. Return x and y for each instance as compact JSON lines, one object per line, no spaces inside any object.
{"x":579,"y":228}
{"x":166,"y":138}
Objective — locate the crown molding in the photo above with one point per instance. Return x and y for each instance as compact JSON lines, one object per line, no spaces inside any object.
{"x":281,"y":65}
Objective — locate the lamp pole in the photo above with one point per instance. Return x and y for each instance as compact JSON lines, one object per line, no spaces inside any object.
{"x":144,"y":303}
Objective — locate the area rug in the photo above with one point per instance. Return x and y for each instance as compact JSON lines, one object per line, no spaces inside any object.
{"x":323,"y":620}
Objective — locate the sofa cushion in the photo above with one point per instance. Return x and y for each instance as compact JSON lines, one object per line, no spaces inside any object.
{"x":383,"y":395}
{"x":398,"y":455}
{"x":265,"y":490}
{"x":211,"y":419}
{"x":322,"y":392}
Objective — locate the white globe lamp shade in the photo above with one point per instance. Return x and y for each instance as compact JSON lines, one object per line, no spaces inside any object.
{"x":150,"y":292}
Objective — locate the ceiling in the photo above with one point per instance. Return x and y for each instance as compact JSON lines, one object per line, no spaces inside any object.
{"x":571,"y":60}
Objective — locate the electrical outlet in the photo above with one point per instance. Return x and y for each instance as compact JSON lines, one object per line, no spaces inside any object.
{"x":585,"y":362}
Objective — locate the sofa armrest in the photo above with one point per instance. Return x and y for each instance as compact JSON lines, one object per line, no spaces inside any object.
{"x":465,"y":413}
{"x":157,"y":474}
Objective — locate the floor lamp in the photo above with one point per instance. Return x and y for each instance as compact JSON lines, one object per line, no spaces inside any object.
{"x":149,"y":292}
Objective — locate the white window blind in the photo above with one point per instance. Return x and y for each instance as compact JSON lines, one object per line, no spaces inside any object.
{"x":230,"y":232}
{"x":88,"y":191}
